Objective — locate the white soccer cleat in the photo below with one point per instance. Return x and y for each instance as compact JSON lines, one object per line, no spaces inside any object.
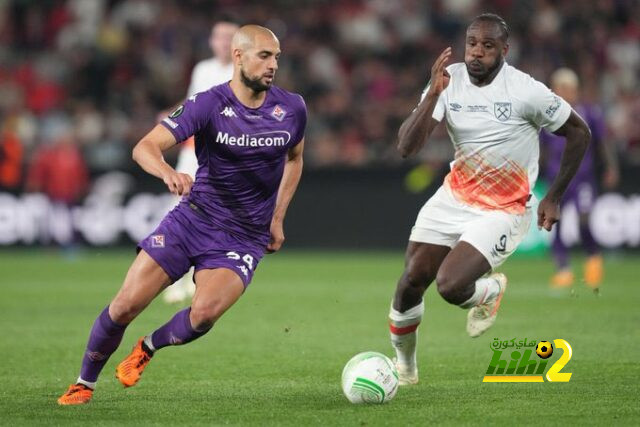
{"x":483,"y":316}
{"x":407,"y":375}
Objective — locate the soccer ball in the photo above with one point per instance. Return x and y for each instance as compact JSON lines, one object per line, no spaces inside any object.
{"x":544,"y":349}
{"x":369,"y":377}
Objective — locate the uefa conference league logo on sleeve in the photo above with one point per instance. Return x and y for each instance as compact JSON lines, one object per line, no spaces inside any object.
{"x":514,"y":361}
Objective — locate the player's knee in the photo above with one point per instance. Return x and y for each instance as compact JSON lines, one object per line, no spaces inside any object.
{"x":203,"y":316}
{"x":123,"y":311}
{"x":416,"y":276}
{"x":448,"y":287}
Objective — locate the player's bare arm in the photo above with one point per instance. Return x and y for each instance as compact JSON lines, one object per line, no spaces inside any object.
{"x":417,"y":128}
{"x":148,"y":154}
{"x":578,"y":136}
{"x":288,"y":185}
{"x":611,"y":175}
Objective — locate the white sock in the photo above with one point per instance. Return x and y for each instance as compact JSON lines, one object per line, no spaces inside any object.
{"x":91,"y":385}
{"x":149,"y":343}
{"x":403,"y":331}
{"x":486,"y":288}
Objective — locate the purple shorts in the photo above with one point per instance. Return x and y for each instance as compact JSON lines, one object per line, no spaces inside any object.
{"x":185,"y":238}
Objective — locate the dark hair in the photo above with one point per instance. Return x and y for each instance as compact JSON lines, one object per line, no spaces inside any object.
{"x":228,"y":18}
{"x":492,"y":17}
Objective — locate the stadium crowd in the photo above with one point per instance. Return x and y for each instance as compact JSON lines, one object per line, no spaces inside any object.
{"x":91,"y":76}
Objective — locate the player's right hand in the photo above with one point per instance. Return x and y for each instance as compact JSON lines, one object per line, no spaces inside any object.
{"x":548,"y":213}
{"x":439,"y":75}
{"x":178,"y":183}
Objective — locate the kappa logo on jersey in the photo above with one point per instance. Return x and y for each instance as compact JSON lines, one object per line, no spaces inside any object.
{"x":193,"y":97}
{"x":502,"y":110}
{"x":454,"y":106}
{"x":278,"y":113}
{"x":228,"y":112}
{"x":157,"y":241}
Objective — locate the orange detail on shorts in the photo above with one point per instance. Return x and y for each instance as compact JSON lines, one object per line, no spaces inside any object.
{"x":474,"y":181}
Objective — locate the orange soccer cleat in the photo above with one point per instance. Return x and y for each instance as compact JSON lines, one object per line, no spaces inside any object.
{"x":130,"y":369}
{"x":562,"y":279}
{"x":77,"y":394}
{"x":593,"y":271}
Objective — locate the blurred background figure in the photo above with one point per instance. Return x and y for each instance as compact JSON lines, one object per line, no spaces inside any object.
{"x":58,"y":168}
{"x":59,"y":171}
{"x":110,"y":66}
{"x":582,"y":191}
{"x":207,"y":73}
{"x":11,"y":154}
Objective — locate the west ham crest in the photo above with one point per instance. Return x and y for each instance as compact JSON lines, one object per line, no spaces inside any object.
{"x":502,"y":110}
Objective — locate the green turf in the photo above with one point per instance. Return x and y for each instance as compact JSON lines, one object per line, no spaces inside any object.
{"x":276,"y":357}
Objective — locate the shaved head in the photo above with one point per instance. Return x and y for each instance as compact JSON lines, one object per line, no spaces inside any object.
{"x":255,"y":51}
{"x":564,"y":77}
{"x":247,"y":36}
{"x":565,"y":83}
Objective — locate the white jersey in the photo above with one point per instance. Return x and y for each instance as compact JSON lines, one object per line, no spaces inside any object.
{"x":208,"y":73}
{"x":494,"y":130}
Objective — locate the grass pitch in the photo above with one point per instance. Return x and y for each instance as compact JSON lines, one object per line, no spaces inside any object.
{"x":276,"y":357}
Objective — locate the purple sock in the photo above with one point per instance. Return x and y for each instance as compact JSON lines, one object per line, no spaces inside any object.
{"x":559,"y":250}
{"x":588,"y":242}
{"x":176,"y":331}
{"x":104,"y":339}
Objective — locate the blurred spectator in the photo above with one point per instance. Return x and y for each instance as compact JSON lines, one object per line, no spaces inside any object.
{"x":10,"y":157}
{"x":360,"y":64}
{"x":58,"y":169}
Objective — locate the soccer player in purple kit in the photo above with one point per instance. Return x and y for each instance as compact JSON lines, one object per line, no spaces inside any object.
{"x":582,"y":191}
{"x":249,"y":141}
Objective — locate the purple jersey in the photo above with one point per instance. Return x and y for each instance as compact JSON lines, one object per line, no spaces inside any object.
{"x":241,"y":155}
{"x":553,"y":145}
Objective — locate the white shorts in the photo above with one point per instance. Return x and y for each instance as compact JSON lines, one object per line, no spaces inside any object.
{"x":445,"y":221}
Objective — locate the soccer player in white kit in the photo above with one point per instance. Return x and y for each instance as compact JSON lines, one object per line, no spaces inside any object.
{"x":207,"y":73}
{"x":493,"y":114}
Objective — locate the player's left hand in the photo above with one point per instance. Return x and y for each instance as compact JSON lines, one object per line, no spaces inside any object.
{"x":277,"y":237}
{"x":548,"y":213}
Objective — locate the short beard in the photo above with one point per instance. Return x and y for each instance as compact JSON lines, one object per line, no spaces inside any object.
{"x":489,"y":70}
{"x":253,"y":84}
